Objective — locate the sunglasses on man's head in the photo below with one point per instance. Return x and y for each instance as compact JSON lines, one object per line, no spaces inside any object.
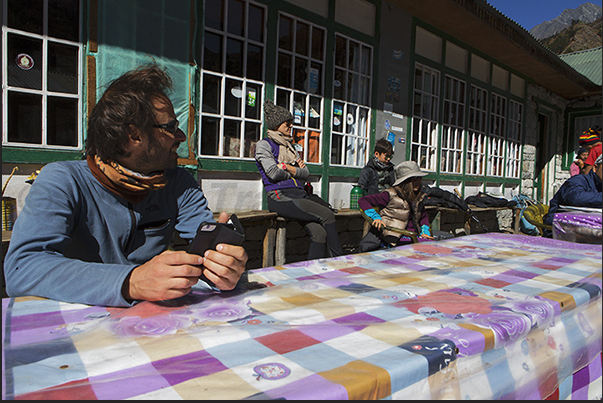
{"x":171,"y":127}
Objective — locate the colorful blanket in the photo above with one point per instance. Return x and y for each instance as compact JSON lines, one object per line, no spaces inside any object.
{"x":486,"y":316}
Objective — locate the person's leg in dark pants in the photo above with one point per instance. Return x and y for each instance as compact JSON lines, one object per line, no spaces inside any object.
{"x":311,"y":213}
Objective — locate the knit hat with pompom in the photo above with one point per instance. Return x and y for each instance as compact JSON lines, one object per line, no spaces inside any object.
{"x":590,"y":136}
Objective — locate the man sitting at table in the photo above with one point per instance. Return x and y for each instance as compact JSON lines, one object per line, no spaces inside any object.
{"x":578,"y":191}
{"x":97,"y":231}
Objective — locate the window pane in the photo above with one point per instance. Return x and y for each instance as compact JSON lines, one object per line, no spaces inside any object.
{"x":285,"y":35}
{"x":214,"y":14}
{"x":62,"y":121}
{"x":252,"y":136}
{"x":236,"y":17}
{"x":338,"y":87}
{"x":211,"y":94}
{"x":354,"y":57}
{"x":336,"y":149}
{"x":63,"y":19}
{"x":26,"y":15}
{"x":232,"y":138}
{"x":299,"y":109}
{"x":314,"y":114}
{"x":24,"y":118}
{"x":366,"y":60}
{"x":210,"y":132}
{"x":256,"y":23}
{"x":212,"y":53}
{"x":284,"y":70}
{"x":301,"y":74}
{"x":282,"y":98}
{"x":338,"y":117}
{"x":252,"y":106}
{"x":255,"y":62}
{"x":62,"y":68}
{"x":315,"y":79}
{"x":24,"y":62}
{"x":340,"y":52}
{"x":302,"y":37}
{"x":234,"y":58}
{"x":232,"y":97}
{"x":318,"y":39}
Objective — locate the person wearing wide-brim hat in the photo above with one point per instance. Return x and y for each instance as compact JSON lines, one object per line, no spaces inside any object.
{"x":399,"y":206}
{"x":284,"y":175}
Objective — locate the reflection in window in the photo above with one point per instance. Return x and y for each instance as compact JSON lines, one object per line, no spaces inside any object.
{"x":43,"y":92}
{"x":299,"y":82}
{"x":425,"y":117}
{"x":352,"y":93}
{"x":232,"y":81}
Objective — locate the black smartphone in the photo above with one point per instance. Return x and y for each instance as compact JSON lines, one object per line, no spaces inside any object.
{"x":209,"y":235}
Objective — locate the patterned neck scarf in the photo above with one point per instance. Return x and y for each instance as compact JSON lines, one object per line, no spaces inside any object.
{"x":287,"y":152}
{"x":132,"y":186}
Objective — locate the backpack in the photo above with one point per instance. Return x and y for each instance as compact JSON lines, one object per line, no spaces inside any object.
{"x":526,"y":227}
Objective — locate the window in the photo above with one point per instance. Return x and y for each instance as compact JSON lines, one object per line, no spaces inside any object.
{"x":424,"y":142}
{"x":300,"y":81}
{"x":496,"y":151}
{"x":454,"y":122}
{"x":232,"y":78}
{"x":352,"y":93}
{"x":476,"y":148}
{"x":514,"y":139}
{"x":41,"y":74}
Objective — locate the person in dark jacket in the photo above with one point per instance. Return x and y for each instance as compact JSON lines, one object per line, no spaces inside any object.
{"x":578,"y":191}
{"x":378,"y":174}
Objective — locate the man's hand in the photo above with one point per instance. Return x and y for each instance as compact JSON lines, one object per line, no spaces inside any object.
{"x":224,"y":266}
{"x":167,"y":276}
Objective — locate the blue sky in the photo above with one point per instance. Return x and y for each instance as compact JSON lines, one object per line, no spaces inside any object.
{"x":529,"y":13}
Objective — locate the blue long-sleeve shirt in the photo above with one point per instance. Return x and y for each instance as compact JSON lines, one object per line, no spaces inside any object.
{"x":76,"y":241}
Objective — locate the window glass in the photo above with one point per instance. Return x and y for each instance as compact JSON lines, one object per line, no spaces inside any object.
{"x":42,"y":70}
{"x":425,"y":117}
{"x":351,"y":112}
{"x":61,"y":17}
{"x":300,"y":76}
{"x":26,"y":15}
{"x":232,"y":79}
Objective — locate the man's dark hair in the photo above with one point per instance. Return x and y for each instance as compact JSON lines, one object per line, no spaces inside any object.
{"x":384,"y":146}
{"x":127,"y":101}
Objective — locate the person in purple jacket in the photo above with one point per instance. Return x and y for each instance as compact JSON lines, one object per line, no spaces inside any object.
{"x":284,"y":174}
{"x":400,"y":207}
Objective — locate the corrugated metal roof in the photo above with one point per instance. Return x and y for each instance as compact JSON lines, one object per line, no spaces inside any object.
{"x":586,"y":62}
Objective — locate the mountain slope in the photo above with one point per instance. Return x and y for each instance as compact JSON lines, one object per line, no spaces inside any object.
{"x":579,"y":36}
{"x":587,"y":12}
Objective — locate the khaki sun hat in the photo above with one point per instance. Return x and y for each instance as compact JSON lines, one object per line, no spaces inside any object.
{"x":407,"y":169}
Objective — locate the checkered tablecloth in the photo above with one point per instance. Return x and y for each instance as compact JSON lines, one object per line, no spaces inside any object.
{"x":487,"y":316}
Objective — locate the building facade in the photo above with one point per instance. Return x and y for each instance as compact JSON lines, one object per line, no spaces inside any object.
{"x":454,"y":84}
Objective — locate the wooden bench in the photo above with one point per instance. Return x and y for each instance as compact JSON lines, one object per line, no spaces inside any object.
{"x":275,"y":239}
